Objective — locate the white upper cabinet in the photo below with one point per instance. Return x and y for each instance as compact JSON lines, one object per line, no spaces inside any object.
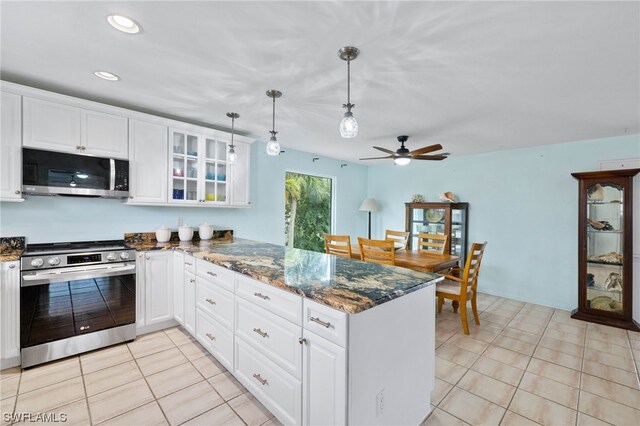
{"x":52,"y":126}
{"x":59,"y":127}
{"x":240,"y":175}
{"x":147,"y":160}
{"x":104,"y":135}
{"x":10,"y":146}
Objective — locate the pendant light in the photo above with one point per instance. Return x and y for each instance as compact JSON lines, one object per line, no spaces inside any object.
{"x":232,"y":157}
{"x":273,"y":147}
{"x":348,"y":125}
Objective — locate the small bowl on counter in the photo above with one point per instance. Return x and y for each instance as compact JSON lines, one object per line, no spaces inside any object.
{"x":205,"y":231}
{"x":185,"y":232}
{"x":163,"y":234}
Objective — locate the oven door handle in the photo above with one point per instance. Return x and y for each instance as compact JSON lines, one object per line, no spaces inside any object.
{"x":61,"y":276}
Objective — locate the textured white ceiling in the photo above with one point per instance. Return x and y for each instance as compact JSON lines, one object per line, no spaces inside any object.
{"x":473,"y":76}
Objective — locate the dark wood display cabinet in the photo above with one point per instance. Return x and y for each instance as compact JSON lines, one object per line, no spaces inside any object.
{"x":439,"y":218}
{"x":605,"y":284}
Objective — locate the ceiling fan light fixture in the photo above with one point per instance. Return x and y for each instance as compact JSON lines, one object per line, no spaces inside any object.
{"x":273,"y":146}
{"x":348,"y":125}
{"x":402,"y":161}
{"x":232,"y":157}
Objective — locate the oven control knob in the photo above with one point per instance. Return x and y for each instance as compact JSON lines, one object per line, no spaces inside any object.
{"x":112,"y":256}
{"x":53,"y":261}
{"x":124,"y":255}
{"x":37,"y":262}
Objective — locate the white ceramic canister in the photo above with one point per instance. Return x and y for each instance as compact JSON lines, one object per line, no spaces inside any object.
{"x":163,"y":234}
{"x":206,"y":231}
{"x":185,"y":232}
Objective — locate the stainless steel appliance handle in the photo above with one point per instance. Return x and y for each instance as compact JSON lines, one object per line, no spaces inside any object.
{"x":61,"y":275}
{"x":112,"y":175}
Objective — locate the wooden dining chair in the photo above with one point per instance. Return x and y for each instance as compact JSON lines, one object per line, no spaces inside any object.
{"x":464,"y":288}
{"x":337,"y":245}
{"x":432,"y":243}
{"x":397,"y":237}
{"x":379,"y":251}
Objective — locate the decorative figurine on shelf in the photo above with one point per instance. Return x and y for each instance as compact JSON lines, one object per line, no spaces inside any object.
{"x":605,"y":303}
{"x":418,"y":198}
{"x":600,"y":225}
{"x":614,"y":282}
{"x":448,"y":197}
{"x":591,"y":282}
{"x":596,"y":193}
{"x":612,"y":257}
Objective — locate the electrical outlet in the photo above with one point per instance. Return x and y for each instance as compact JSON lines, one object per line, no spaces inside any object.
{"x":380,"y":403}
{"x":179,"y":221}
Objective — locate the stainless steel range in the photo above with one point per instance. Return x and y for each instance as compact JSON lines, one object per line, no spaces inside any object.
{"x":75,"y":297}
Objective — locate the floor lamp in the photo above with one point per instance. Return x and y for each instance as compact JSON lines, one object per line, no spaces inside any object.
{"x":370,"y":205}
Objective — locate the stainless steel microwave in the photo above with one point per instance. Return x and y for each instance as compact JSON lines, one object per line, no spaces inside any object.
{"x":57,"y":173}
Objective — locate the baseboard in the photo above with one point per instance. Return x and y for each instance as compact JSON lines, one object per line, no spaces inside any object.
{"x":156,"y":327}
{"x":14,"y":361}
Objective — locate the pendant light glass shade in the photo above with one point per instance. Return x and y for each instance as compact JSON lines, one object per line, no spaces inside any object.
{"x":273,"y":146}
{"x":348,"y":126}
{"x":232,"y":157}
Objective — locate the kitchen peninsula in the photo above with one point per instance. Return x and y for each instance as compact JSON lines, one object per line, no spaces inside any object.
{"x":317,"y":339}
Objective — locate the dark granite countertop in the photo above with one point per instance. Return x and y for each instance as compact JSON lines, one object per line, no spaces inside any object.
{"x":348,"y":285}
{"x":11,"y":248}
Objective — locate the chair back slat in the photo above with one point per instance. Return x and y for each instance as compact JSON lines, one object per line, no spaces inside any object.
{"x":397,"y":237}
{"x":337,"y":245}
{"x":379,"y":251}
{"x":472,"y":267}
{"x":432,"y":243}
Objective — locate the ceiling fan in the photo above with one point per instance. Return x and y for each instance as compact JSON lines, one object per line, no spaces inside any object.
{"x":403,"y":156}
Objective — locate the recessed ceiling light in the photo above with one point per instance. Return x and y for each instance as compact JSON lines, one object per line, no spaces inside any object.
{"x":106,"y":75}
{"x":124,"y":24}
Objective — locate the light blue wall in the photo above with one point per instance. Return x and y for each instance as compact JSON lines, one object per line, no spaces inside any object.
{"x":47,"y":219}
{"x":524,"y":202}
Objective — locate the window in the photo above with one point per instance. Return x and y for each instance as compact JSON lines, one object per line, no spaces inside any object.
{"x":308,"y":210}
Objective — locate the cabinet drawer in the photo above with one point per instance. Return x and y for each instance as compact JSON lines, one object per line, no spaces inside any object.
{"x":216,"y":274}
{"x":190,"y":263}
{"x":271,"y":385}
{"x":275,"y":337}
{"x":280,"y":302}
{"x":215,"y":301}
{"x":326,"y":322}
{"x":215,"y":338}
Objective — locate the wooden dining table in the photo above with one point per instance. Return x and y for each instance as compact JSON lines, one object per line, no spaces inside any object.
{"x":421,"y":261}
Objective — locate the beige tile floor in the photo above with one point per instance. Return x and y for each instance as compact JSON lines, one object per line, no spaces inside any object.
{"x":529,"y":364}
{"x":525,"y":364}
{"x":161,"y":378}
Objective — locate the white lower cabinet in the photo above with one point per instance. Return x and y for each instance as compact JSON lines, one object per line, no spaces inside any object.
{"x":140,"y":290}
{"x":324,"y":378}
{"x":178,"y":287}
{"x":158,"y":287}
{"x":215,"y":338}
{"x":9,"y":314}
{"x":277,"y":390}
{"x":190,"y":302}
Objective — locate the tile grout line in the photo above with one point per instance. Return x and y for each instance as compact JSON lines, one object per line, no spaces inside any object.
{"x":86,"y":394}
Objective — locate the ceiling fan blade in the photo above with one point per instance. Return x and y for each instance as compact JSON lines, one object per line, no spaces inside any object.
{"x":426,"y":149}
{"x":388,"y":151}
{"x":376,"y":158}
{"x":430,"y":157}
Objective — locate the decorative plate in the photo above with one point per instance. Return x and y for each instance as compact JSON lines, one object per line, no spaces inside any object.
{"x":435,"y":215}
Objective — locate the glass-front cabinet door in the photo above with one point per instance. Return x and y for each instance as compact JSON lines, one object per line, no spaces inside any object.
{"x":605,"y":239}
{"x":198,"y":169}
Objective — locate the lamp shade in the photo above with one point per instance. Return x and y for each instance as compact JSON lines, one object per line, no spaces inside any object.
{"x":370,"y":205}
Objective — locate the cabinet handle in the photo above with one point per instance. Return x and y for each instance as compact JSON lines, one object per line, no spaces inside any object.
{"x":211,"y":302}
{"x":212,"y":274}
{"x":78,"y":147}
{"x":302,"y":340}
{"x":260,"y":379}
{"x":319,"y":321}
{"x":131,"y":197}
{"x":261,"y":296}
{"x":12,"y":266}
{"x":210,"y":336}
{"x":260,"y":332}
{"x":17,"y":192}
{"x":147,"y":258}
{"x":83,"y":148}
{"x":191,"y":280}
{"x":188,"y":263}
{"x":141,"y":256}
